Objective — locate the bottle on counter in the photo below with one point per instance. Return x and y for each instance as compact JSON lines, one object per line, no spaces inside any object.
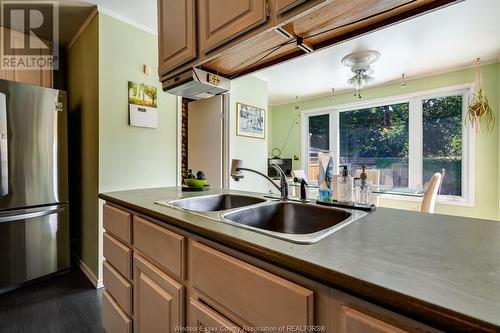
{"x":325,"y":176}
{"x":345,"y":186}
{"x":365,"y":188}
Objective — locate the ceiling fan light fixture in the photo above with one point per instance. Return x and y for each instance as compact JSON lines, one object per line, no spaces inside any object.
{"x":360,"y":62}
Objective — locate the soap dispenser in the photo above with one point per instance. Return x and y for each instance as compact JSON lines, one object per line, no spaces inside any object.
{"x":365,"y":190}
{"x":345,"y":186}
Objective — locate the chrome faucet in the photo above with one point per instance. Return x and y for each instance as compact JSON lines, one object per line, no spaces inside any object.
{"x":237,"y":174}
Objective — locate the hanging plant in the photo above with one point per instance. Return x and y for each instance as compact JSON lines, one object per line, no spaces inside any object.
{"x":480,"y":115}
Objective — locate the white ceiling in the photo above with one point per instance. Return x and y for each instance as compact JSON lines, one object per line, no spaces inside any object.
{"x":443,"y":40}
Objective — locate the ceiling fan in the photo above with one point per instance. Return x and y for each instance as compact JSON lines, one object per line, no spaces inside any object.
{"x":360,"y":62}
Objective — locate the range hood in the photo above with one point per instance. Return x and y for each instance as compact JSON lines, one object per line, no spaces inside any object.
{"x":197,"y":84}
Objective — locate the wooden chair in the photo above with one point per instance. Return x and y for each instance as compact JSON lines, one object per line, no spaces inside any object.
{"x":430,"y":196}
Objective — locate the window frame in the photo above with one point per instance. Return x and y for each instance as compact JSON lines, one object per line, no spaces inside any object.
{"x":415,"y":138}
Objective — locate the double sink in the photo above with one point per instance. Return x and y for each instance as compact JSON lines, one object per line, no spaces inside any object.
{"x":296,"y":222}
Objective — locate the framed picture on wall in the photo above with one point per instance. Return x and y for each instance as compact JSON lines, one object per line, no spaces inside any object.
{"x":250,"y":121}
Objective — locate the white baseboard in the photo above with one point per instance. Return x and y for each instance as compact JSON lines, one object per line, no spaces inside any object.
{"x":88,"y":273}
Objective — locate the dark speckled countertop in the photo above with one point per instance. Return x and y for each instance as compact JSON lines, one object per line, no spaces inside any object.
{"x":440,"y":270}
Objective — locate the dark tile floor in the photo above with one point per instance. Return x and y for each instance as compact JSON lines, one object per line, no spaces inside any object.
{"x":65,"y":303}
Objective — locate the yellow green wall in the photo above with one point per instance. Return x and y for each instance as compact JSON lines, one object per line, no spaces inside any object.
{"x":252,"y":91}
{"x":487,"y":177}
{"x":83,"y":115}
{"x":116,"y":155}
{"x":132,"y":157}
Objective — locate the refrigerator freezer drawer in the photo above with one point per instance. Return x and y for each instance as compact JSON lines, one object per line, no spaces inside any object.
{"x":33,"y":242}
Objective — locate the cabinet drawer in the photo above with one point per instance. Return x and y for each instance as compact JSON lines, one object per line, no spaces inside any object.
{"x":203,"y":317}
{"x":352,"y":315}
{"x":353,"y":321}
{"x":255,"y":295}
{"x":118,"y":287}
{"x":118,"y":255}
{"x":117,"y":222}
{"x":162,"y":245}
{"x":113,"y":318}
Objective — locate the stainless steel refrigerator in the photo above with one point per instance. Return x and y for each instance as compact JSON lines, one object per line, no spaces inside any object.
{"x":34,"y":217}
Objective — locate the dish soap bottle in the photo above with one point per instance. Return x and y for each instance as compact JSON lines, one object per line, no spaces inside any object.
{"x":344,"y":186}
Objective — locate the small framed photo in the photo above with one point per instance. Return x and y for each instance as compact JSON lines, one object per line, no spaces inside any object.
{"x":250,"y":121}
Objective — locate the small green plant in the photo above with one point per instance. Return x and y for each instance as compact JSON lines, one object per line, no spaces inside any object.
{"x":480,"y":115}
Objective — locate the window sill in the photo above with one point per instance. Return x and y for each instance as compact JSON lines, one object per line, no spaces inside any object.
{"x":442,"y":200}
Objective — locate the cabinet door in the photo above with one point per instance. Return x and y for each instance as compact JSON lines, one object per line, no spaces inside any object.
{"x":38,"y":77}
{"x":158,"y":299}
{"x":285,"y":5}
{"x":202,"y":318}
{"x":176,"y":33}
{"x":223,"y":20}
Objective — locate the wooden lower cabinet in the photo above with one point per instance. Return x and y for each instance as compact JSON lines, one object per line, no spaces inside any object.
{"x":162,"y":246}
{"x":158,"y":299}
{"x":353,"y":315}
{"x":113,"y":318}
{"x":201,"y":286}
{"x":354,"y":321}
{"x":117,"y":222}
{"x":202,"y":318}
{"x":118,"y":287}
{"x":258,"y":297}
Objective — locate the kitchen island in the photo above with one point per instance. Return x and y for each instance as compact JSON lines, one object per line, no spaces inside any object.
{"x":439,"y":272}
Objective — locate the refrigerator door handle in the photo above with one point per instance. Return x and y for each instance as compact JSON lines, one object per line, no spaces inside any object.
{"x":29,"y":213}
{"x":4,"y":157}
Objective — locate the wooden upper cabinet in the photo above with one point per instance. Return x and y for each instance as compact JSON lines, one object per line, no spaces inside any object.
{"x":287,"y":11}
{"x":177,"y":33}
{"x":283,"y":6}
{"x":223,"y":20}
{"x":37,"y":77}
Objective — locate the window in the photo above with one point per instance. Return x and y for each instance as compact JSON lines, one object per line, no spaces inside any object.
{"x":442,"y":142}
{"x":319,"y":140}
{"x":378,"y":138}
{"x":406,"y":139}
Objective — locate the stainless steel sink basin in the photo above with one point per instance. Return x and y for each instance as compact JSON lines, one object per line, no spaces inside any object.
{"x":292,"y":221}
{"x":217,"y":202}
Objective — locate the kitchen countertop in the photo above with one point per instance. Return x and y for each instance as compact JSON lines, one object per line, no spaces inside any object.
{"x":438,"y":269}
